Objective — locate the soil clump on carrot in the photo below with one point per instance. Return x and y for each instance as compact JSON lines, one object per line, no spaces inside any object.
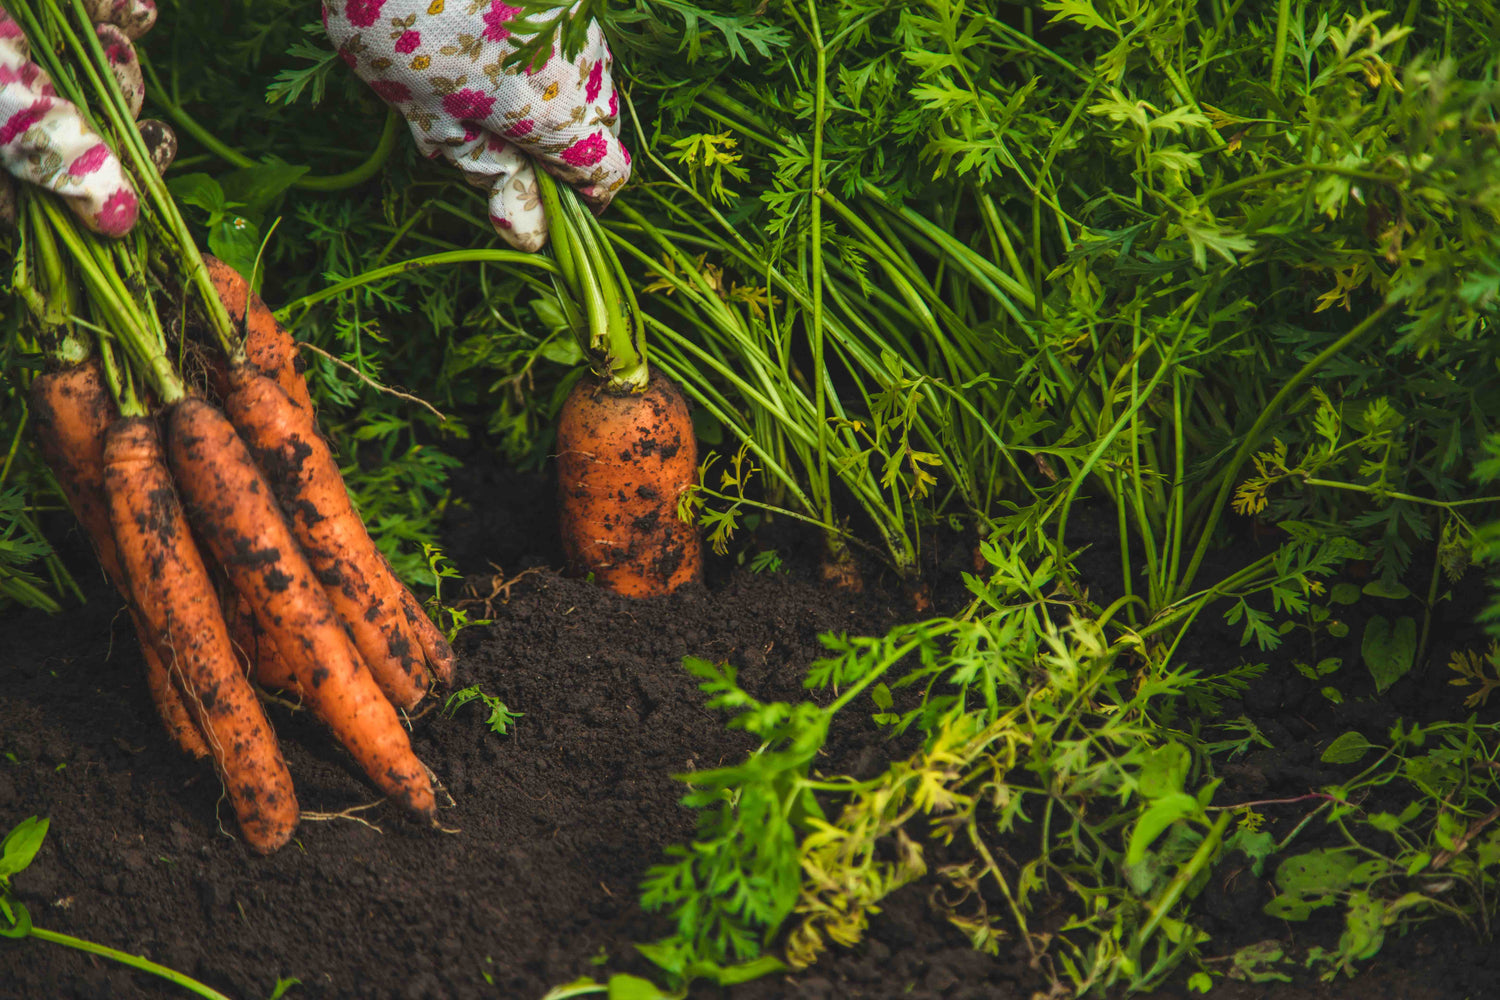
{"x":557,"y":822}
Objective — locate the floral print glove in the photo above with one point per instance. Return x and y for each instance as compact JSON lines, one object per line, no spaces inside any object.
{"x":438,"y":62}
{"x":45,"y":141}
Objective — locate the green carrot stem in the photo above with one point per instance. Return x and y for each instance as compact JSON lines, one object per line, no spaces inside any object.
{"x":122,"y":316}
{"x":179,"y":244}
{"x":306,"y":302}
{"x":125,"y":958}
{"x":594,"y":278}
{"x":389,"y":134}
{"x":1252,"y":437}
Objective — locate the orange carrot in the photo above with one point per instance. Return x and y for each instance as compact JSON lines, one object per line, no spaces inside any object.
{"x":232,"y":505}
{"x":268,"y":345}
{"x":172,"y":590}
{"x":274,"y":354}
{"x":622,"y":463}
{"x":260,"y":654}
{"x":71,"y":412}
{"x":181,"y":726}
{"x":435,"y":647}
{"x":288,"y":448}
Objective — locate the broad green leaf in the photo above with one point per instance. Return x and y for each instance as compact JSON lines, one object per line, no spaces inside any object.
{"x":1344,"y":593}
{"x":563,"y":351}
{"x":255,"y":189}
{"x":199,"y":190}
{"x":1257,"y":845}
{"x":1364,"y":926}
{"x":625,"y":987}
{"x":1388,"y":649}
{"x":1164,"y":770}
{"x":1317,"y":873}
{"x":21,"y":844}
{"x":235,"y":240}
{"x":744,"y":972}
{"x":1347,"y":749}
{"x":1255,"y":963}
{"x":1154,"y":821}
{"x":1289,"y":907}
{"x":1390,"y":591}
{"x":1418,"y":862}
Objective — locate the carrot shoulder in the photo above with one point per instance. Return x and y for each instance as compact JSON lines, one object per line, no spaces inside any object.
{"x":231,"y":504}
{"x":288,"y":448}
{"x":172,"y":591}
{"x":71,"y":412}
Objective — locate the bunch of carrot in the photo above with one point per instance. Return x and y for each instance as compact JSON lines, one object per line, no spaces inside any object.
{"x":224,"y":523}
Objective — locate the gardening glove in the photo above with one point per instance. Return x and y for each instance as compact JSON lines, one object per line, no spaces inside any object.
{"x":43,"y":138}
{"x":438,"y":62}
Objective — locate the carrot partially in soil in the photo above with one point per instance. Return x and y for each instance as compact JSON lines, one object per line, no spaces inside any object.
{"x":71,"y":412}
{"x":301,"y":469}
{"x":233,"y":507}
{"x":623,"y":461}
{"x":268,"y":345}
{"x":171,"y":588}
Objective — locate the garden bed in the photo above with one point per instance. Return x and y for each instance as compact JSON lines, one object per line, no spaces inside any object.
{"x":552,"y":826}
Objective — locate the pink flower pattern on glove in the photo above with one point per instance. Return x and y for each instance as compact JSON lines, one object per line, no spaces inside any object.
{"x":495,"y":20}
{"x":439,"y":62}
{"x":44,"y":141}
{"x":363,"y":13}
{"x":586,"y":152}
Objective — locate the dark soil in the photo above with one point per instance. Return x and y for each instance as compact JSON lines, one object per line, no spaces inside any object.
{"x":550,"y":829}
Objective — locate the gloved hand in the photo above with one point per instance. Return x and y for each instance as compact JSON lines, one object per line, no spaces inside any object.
{"x":438,"y":63}
{"x":44,"y":140}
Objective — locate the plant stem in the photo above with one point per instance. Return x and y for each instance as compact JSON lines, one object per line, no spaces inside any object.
{"x":1179,"y":883}
{"x":815,"y":324}
{"x":1397,"y":495}
{"x":1248,"y":444}
{"x":1278,"y":54}
{"x":416,"y":264}
{"x":125,"y":958}
{"x":372,"y":164}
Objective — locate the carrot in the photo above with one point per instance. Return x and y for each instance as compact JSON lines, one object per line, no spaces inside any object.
{"x":172,"y":591}
{"x":623,"y":460}
{"x":297,"y":462}
{"x":274,"y":354}
{"x":435,"y":647}
{"x":268,"y":345}
{"x":232,"y":505}
{"x":168,"y":700}
{"x":260,"y":653}
{"x":71,"y":413}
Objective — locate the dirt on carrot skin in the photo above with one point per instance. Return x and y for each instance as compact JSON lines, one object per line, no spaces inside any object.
{"x":554,"y":825}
